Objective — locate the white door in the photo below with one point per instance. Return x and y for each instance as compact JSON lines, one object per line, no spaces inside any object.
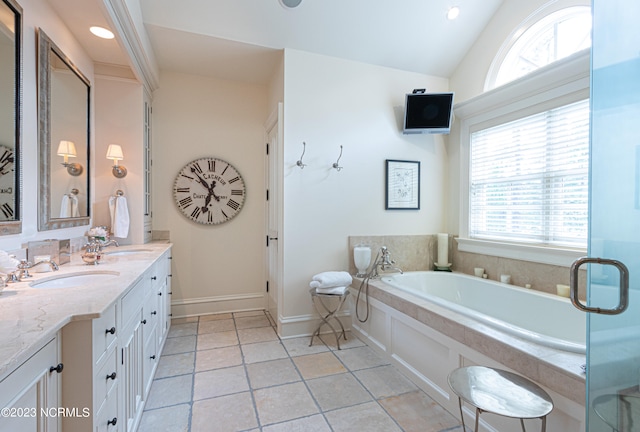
{"x":273,"y":193}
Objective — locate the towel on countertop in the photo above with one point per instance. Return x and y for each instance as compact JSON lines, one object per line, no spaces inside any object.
{"x":119,"y":216}
{"x":333,"y":290}
{"x":69,"y":206}
{"x":331,"y":279}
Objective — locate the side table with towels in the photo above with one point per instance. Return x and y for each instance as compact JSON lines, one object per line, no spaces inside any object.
{"x":500,"y":392}
{"x":328,"y":291}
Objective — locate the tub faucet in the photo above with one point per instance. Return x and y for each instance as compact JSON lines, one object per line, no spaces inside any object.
{"x":385,"y":262}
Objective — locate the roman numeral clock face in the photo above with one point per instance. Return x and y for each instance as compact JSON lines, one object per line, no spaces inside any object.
{"x":209,"y":191}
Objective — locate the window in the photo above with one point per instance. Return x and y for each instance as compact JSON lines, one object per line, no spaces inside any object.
{"x":554,"y":37}
{"x":529,"y":179}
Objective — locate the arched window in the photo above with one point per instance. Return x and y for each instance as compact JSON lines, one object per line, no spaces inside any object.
{"x":547,"y":40}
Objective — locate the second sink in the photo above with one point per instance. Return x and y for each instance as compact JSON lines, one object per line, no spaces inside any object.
{"x":73,"y":279}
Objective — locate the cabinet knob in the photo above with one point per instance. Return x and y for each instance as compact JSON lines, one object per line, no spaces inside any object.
{"x":153,"y":357}
{"x":170,"y":292}
{"x":113,"y":421}
{"x":154,"y":277}
{"x":58,"y":368}
{"x":154,"y":313}
{"x":144,"y":321}
{"x":159,"y":293}
{"x":112,"y":330}
{"x":170,"y":275}
{"x":112,"y":376}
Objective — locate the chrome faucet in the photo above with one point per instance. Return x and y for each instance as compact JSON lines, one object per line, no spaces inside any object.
{"x":93,"y":250}
{"x":385,"y":262}
{"x":22,"y":270}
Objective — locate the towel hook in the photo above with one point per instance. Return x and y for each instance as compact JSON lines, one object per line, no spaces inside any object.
{"x":74,"y":191}
{"x":119,"y":193}
{"x":299,"y":163}
{"x":336,"y":164}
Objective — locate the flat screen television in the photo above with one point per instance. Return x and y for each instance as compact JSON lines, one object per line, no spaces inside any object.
{"x":428,"y":113}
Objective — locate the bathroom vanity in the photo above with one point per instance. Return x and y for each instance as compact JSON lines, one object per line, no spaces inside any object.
{"x":79,"y":356}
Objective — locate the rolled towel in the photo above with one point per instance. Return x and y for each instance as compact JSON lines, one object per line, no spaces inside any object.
{"x":332,"y":279}
{"x":333,"y":290}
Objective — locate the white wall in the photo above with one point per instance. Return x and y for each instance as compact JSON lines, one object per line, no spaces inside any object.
{"x":36,"y":14}
{"x":331,"y":102}
{"x":218,"y":267}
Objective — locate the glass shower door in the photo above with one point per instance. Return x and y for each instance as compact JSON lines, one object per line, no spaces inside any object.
{"x":613,"y":347}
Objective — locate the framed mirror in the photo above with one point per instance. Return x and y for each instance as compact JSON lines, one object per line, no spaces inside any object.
{"x":63,"y":111}
{"x":10,"y":116}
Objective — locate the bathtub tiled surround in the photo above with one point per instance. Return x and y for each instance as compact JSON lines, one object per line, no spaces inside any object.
{"x":419,"y":252}
{"x":231,"y":372}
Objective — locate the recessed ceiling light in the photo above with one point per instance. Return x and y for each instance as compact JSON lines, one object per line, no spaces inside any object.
{"x":290,"y":3}
{"x":101,"y":32}
{"x":453,"y":13}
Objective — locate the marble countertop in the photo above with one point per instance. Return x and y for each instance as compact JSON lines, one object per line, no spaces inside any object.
{"x":30,"y":317}
{"x":555,"y":369}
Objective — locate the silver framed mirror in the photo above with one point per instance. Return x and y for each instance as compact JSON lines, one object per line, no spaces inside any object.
{"x":64,"y":97}
{"x":10,"y":116}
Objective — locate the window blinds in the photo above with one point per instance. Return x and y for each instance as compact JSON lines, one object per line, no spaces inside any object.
{"x":529,"y":179}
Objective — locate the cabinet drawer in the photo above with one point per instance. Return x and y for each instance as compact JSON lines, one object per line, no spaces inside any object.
{"x":132,"y":301}
{"x":103,"y":385}
{"x":104,"y":332}
{"x":108,"y":414}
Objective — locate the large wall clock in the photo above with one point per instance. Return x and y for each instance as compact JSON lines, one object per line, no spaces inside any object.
{"x":209,"y":191}
{"x":7,"y":184}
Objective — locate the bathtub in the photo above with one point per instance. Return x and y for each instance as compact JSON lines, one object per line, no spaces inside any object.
{"x":538,"y":317}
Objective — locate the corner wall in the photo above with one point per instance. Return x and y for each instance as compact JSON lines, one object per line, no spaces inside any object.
{"x":330,"y":102}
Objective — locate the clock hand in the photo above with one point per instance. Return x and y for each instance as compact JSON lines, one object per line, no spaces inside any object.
{"x":205,"y":207}
{"x":204,"y":183}
{"x":212,"y":193}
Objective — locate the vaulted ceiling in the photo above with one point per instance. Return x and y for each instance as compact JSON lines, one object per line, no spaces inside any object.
{"x":242,"y":39}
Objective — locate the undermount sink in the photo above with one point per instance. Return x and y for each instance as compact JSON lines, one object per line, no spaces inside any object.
{"x":126,"y":252}
{"x":74,"y":279}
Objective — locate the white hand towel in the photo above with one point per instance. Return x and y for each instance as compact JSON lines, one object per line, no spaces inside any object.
{"x":73,"y":203}
{"x":333,"y":290}
{"x":119,"y":216}
{"x":65,"y":207}
{"x":332,"y":279}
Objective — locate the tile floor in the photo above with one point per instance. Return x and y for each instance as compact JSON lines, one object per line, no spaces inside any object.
{"x":231,"y":372}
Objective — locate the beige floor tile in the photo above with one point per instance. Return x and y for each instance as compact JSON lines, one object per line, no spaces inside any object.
{"x":417,"y":412}
{"x":217,"y":340}
{"x":315,"y":423}
{"x":215,"y":317}
{"x":318,"y":365}
{"x":270,"y":373}
{"x":186,"y":329}
{"x":282,"y":403}
{"x":254,"y":335}
{"x":170,"y":391}
{"x":219,"y":382}
{"x":179,"y":345}
{"x":385,"y":381}
{"x":173,"y":418}
{"x":216,"y":326}
{"x":175,"y":364}
{"x":359,"y":358}
{"x":223,"y":414}
{"x":252,"y":322}
{"x":218,"y":358}
{"x":265,"y":351}
{"x":330,"y":340}
{"x":248,"y":313}
{"x":300,"y":346}
{"x":338,"y":391}
{"x":368,"y":417}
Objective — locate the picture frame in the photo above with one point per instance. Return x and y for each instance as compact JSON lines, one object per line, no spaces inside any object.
{"x":402,"y":180}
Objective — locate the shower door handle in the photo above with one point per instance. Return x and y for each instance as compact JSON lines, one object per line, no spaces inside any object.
{"x":624,"y":285}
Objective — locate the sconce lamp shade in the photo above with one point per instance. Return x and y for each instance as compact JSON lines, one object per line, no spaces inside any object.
{"x":67,"y":149}
{"x":114,"y":152}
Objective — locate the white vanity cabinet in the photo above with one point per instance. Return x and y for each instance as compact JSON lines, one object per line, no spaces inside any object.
{"x":29,"y":395}
{"x":91,"y":377}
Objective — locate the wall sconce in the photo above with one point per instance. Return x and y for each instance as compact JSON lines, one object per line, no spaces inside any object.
{"x":67,"y":149}
{"x":114,"y":152}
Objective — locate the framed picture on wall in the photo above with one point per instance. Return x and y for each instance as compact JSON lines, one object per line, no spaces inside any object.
{"x":402,"y":185}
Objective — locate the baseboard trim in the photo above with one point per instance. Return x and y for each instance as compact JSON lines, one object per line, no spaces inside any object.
{"x":220,"y":304}
{"x":305,"y":325}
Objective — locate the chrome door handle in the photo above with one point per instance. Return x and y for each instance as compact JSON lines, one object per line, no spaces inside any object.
{"x":624,"y":285}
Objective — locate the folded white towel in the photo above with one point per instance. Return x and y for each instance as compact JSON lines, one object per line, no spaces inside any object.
{"x":69,"y":206}
{"x":331,"y":279}
{"x":333,"y":290}
{"x":119,"y":216}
